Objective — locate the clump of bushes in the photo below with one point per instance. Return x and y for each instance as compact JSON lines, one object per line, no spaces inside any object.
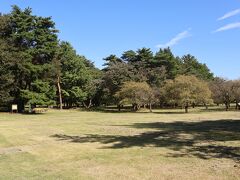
{"x":39,"y":110}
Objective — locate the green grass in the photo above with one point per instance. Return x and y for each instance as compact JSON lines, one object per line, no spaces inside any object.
{"x":165,"y":144}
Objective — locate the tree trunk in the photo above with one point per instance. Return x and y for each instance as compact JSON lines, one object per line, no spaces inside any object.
{"x":119,"y":108}
{"x":236,"y":106}
{"x":150,"y":107}
{"x":193,"y":105}
{"x":90,"y":103}
{"x":67,"y":104}
{"x":227,"y":106}
{"x":84,"y":104}
{"x":20,"y":106}
{"x":206,"y":107}
{"x":59,"y":92}
{"x":134,"y":107}
{"x":30,"y":108}
{"x":186,"y":108}
{"x":138,"y":107}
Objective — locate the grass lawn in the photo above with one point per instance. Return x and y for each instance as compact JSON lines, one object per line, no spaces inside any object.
{"x":100,"y":145}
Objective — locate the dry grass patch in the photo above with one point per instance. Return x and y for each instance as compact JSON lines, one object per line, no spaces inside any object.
{"x":98,"y":145}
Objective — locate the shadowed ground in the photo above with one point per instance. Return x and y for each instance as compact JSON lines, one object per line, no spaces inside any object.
{"x":185,"y":138}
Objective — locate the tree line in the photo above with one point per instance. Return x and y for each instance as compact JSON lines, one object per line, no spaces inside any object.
{"x":36,"y":68}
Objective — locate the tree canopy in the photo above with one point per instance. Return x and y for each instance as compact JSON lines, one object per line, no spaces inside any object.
{"x":136,"y":93}
{"x":31,"y":57}
{"x":186,"y":91}
{"x":37,"y":68}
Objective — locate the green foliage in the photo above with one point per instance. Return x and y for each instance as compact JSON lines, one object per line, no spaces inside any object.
{"x":114,"y":77}
{"x":136,"y":93}
{"x":33,"y":63}
{"x":41,"y":94}
{"x":164,"y":57}
{"x":6,"y":62}
{"x":32,"y":43}
{"x":112,"y":59}
{"x":77,"y":76}
{"x":186,"y":91}
{"x":191,"y":66}
{"x":145,"y":66}
{"x":129,"y":56}
{"x":77,"y":94}
{"x":6,"y":80}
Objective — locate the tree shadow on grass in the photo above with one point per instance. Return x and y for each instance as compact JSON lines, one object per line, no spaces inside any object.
{"x":203,"y":139}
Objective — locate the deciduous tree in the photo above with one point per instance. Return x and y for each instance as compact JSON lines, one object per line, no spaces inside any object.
{"x":136,"y":93}
{"x":186,"y":91}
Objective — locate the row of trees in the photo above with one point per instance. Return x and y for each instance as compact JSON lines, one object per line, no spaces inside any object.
{"x":38,"y":69}
{"x":145,"y":66}
{"x":183,"y":91}
{"x":226,"y":92}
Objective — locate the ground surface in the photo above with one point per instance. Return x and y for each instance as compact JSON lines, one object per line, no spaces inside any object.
{"x":97,"y":145}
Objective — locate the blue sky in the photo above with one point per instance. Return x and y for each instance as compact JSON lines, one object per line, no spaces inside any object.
{"x":207,"y":29}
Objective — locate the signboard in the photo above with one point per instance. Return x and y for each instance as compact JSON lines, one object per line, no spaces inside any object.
{"x":14,"y":107}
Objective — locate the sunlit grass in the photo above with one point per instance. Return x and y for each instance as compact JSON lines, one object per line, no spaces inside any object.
{"x":166,"y":144}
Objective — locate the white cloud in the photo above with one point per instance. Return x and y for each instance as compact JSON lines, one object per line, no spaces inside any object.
{"x":228,"y":27}
{"x":176,"y":39}
{"x":229,"y":14}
